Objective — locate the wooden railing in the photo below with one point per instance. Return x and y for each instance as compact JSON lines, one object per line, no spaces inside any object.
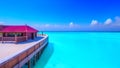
{"x":41,"y":34}
{"x":8,"y":38}
{"x":13,"y":39}
{"x":21,"y":39}
{"x":16,"y":39}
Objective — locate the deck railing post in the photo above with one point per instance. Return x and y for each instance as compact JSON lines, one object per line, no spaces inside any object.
{"x":2,"y":39}
{"x":16,"y":39}
{"x":26,"y":37}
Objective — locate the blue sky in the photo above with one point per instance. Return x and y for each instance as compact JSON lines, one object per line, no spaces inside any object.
{"x":57,"y":13}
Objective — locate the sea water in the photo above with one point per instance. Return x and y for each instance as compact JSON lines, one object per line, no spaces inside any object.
{"x":81,"y":50}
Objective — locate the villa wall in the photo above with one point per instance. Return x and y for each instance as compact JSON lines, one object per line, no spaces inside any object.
{"x":18,"y":38}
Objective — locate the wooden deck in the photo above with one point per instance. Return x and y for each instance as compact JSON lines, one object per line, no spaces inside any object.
{"x":15,"y":55}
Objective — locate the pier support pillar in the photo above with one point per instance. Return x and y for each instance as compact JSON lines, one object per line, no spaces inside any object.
{"x":37,"y":56}
{"x":29,"y":64}
{"x":34,"y":60}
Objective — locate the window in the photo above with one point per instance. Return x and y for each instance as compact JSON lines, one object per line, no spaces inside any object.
{"x":14,"y":34}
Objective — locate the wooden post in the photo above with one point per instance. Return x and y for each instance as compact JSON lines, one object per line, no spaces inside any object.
{"x":2,"y":38}
{"x":39,"y":53}
{"x":37,"y":56}
{"x":29,"y":64}
{"x":34,"y":61}
{"x":26,"y":36}
{"x":16,"y":38}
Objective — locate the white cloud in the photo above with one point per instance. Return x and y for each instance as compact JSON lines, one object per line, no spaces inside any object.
{"x":71,"y":24}
{"x":94,"y":22}
{"x":108,"y":21}
{"x":117,"y":19}
{"x":47,"y":25}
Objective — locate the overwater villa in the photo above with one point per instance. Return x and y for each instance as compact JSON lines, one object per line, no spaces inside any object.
{"x":20,"y":44}
{"x":17,"y":33}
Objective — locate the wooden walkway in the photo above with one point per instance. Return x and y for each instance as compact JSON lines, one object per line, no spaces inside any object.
{"x":16,"y":55}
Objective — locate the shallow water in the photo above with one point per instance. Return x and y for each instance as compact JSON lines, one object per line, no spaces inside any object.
{"x":81,"y":50}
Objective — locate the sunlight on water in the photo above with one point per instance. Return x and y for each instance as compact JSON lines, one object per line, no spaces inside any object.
{"x":81,"y":50}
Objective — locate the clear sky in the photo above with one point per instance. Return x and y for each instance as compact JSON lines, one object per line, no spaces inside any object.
{"x":57,"y":13}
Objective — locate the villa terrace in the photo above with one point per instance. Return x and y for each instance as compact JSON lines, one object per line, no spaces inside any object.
{"x":17,"y":33}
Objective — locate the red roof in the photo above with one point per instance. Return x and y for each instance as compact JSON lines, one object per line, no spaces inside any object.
{"x":24,"y":28}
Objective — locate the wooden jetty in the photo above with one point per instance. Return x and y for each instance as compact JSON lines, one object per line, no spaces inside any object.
{"x":16,"y":55}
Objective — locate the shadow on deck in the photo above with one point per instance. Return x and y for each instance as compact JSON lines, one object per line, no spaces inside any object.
{"x":29,"y":41}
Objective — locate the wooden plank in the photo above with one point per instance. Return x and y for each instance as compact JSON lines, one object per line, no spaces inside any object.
{"x":30,"y":50}
{"x":22,"y":56}
{"x":11,"y":63}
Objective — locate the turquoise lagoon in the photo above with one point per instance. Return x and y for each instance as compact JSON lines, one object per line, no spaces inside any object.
{"x":81,"y":50}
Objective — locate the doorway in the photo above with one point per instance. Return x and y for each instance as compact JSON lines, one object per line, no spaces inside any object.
{"x":32,"y":35}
